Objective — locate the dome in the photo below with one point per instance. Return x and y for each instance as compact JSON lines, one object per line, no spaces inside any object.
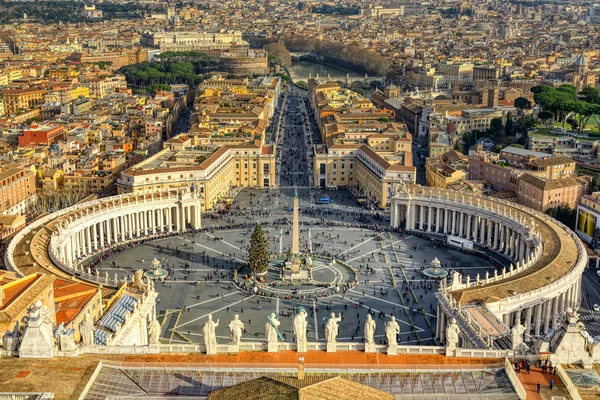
{"x":581,"y":60}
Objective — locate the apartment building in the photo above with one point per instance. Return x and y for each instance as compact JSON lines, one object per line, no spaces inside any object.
{"x":21,"y":99}
{"x":216,"y":172}
{"x":17,"y":189}
{"x":359,"y":167}
{"x":443,"y":170}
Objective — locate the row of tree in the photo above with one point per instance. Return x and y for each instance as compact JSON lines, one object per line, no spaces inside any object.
{"x":351,"y":56}
{"x":564,"y":105}
{"x":144,"y":75}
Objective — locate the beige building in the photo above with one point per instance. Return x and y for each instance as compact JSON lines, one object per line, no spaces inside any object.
{"x":215,"y":172}
{"x":446,"y":169}
{"x":359,"y":167}
{"x":542,"y":194}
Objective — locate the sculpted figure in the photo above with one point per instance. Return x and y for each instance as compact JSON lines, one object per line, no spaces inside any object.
{"x":392,"y":329}
{"x":153,"y":332}
{"x":516,"y":334}
{"x":331,"y":328}
{"x":271,"y":329}
{"x":87,"y":331}
{"x":369,"y":330}
{"x":235,"y":330}
{"x":208,"y":330}
{"x":300,"y":326}
{"x":452,"y":332}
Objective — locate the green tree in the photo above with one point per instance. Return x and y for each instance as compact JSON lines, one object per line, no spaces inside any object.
{"x":521,"y":103}
{"x":258,"y":254}
{"x":563,"y":214}
{"x":545,"y":115}
{"x":496,"y":124}
{"x":509,"y":128}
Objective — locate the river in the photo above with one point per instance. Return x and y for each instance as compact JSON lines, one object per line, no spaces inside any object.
{"x":304,"y":68}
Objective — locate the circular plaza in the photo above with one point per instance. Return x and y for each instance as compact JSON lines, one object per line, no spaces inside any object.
{"x":360,"y":267}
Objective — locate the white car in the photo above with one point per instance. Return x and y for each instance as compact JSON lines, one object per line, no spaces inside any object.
{"x":596,"y":307}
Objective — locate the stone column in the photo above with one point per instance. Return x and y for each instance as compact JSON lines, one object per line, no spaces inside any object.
{"x":506,"y":319}
{"x":438,"y":227}
{"x":421,"y":217}
{"x":567,"y":300}
{"x":527,"y":320}
{"x":538,"y":319}
{"x":489,"y":233}
{"x":462,"y":224}
{"x":138,"y":221}
{"x":95,"y":236}
{"x":101,"y":233}
{"x":429,"y":218}
{"x":122,"y":227}
{"x":496,"y":229}
{"x":507,"y":241}
{"x":454,"y":222}
{"x":469,"y":226}
{"x":561,"y":302}
{"x":548,"y":315}
{"x":517,"y":316}
{"x":170,"y":216}
{"x":482,"y":231}
{"x":445,"y":220}
{"x":501,"y":243}
{"x":88,"y":241}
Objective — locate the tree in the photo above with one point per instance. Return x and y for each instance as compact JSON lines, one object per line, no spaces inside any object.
{"x":496,"y":124}
{"x":258,"y":254}
{"x":521,"y":103}
{"x":509,"y":124}
{"x":563,"y":214}
{"x":545,"y":115}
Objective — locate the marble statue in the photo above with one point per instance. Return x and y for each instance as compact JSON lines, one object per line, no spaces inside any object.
{"x":300,"y":325}
{"x":11,"y":340}
{"x":452,"y":331}
{"x":86,"y":329}
{"x":137,"y":280}
{"x":210,"y":339}
{"x":153,"y":332}
{"x":236,"y":328}
{"x":331,"y":328}
{"x":64,"y":338}
{"x":392,"y":329}
{"x":516,"y":333}
{"x":369,"y":330}
{"x":271,"y":332}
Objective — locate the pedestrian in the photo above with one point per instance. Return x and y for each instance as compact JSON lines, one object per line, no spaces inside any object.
{"x":539,"y":387}
{"x":551,"y":383}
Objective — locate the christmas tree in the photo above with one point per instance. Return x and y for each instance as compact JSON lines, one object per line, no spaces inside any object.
{"x":259,"y":251}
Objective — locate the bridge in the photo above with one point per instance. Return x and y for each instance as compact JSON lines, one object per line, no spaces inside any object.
{"x":348,"y":80}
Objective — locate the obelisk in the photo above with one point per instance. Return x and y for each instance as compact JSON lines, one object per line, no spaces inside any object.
{"x":295,"y":227}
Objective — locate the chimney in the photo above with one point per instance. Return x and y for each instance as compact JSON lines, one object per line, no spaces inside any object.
{"x":301,"y":369}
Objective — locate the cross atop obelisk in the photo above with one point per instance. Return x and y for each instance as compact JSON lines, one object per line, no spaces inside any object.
{"x":295,"y":227}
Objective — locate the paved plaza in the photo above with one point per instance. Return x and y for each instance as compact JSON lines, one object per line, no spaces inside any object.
{"x":202,"y":263}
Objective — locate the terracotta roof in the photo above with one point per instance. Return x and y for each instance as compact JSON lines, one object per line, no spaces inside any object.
{"x":70,"y":298}
{"x":21,"y":294}
{"x":550,"y":161}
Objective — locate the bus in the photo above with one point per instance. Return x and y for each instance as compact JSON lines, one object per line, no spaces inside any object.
{"x":325,"y":200}
{"x":460,"y":242}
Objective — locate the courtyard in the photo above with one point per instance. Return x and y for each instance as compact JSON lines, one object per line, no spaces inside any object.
{"x":201,"y":266}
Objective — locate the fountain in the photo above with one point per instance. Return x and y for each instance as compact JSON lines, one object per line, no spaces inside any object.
{"x":157,"y":272}
{"x":435,"y":271}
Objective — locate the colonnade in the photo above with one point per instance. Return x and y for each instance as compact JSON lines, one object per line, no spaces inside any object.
{"x":486,"y":230}
{"x":513,"y":231}
{"x":89,"y":233}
